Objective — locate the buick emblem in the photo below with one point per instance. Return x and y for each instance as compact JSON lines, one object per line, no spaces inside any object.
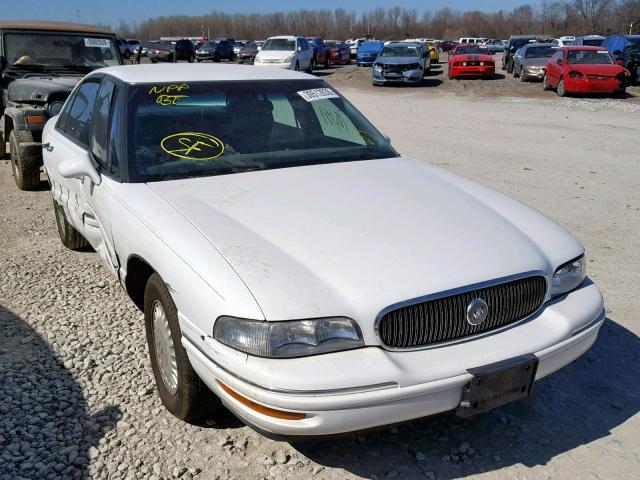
{"x":477,"y":311}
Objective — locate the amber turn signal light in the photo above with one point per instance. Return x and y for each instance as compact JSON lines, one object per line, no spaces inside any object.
{"x":270,"y":412}
{"x":35,"y":119}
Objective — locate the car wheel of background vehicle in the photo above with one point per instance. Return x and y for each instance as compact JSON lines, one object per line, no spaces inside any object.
{"x":216,"y":57}
{"x":522,"y":79}
{"x":327,"y":63}
{"x":3,"y":147}
{"x":154,"y":60}
{"x":297,"y":67}
{"x":545,"y":84}
{"x":560,"y":90}
{"x":510,"y":67}
{"x":312,"y":66}
{"x":191,"y":59}
{"x":180,"y":389}
{"x":515,"y":72}
{"x":69,"y":236}
{"x":26,"y":171}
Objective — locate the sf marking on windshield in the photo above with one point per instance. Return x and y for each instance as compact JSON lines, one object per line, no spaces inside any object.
{"x":193,"y":146}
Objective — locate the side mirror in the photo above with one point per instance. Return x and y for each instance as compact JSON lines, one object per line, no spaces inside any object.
{"x":299,"y":49}
{"x":79,"y":166}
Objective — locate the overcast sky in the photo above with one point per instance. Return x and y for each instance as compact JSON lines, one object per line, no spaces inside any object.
{"x":112,"y":11}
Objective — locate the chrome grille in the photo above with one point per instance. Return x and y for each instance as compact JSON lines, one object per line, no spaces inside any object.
{"x":444,"y":319}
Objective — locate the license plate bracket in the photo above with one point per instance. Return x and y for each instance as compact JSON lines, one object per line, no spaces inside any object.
{"x":497,"y":384}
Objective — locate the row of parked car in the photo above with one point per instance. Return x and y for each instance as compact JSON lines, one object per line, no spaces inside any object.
{"x":290,"y":51}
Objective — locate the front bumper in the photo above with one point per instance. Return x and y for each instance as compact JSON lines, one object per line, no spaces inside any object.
{"x":408,"y":76}
{"x":591,"y":86}
{"x":472,"y":71}
{"x":275,"y":65}
{"x":533,"y":74}
{"x":341,"y":392}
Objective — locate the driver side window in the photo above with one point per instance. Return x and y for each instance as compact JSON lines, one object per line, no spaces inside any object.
{"x":76,"y":124}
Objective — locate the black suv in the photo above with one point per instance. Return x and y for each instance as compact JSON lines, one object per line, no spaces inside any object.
{"x":216,"y":50}
{"x":515,"y":42}
{"x":40,"y":63}
{"x":185,"y":50}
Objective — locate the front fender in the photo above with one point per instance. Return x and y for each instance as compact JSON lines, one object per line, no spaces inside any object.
{"x":16,"y":118}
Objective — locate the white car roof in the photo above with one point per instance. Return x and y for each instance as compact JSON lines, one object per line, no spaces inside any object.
{"x":286,"y":37}
{"x":187,"y":72}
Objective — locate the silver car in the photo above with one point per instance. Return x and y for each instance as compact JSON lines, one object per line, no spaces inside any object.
{"x":401,"y":62}
{"x":529,"y":62}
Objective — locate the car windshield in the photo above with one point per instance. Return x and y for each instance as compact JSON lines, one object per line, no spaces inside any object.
{"x":589,"y":56}
{"x":279,"y":44}
{"x":183,"y":130}
{"x":539,"y":52}
{"x":634,"y":46}
{"x":399,"y":51}
{"x":59,"y":50}
{"x":521,"y":42}
{"x":472,"y":50}
{"x":593,"y":42}
{"x":211,"y":44}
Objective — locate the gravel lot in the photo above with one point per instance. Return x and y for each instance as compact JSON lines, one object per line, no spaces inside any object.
{"x":76,"y":391}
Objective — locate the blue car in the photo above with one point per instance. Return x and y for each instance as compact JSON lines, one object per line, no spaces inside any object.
{"x":368,"y":52}
{"x":625,"y":50}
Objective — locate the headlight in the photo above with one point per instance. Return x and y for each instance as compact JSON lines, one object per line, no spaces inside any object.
{"x":377,"y":68}
{"x":288,"y":339}
{"x":482,"y":64}
{"x":54,"y":108}
{"x":287,"y":59}
{"x":464,"y":64}
{"x":569,"y":276}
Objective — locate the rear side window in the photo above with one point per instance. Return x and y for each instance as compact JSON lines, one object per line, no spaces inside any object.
{"x":78,"y":123}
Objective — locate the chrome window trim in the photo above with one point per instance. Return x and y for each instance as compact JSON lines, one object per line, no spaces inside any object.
{"x":456,"y":291}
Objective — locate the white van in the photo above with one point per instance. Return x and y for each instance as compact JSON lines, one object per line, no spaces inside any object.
{"x":472,"y":40}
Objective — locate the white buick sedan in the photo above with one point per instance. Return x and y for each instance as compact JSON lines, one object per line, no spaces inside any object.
{"x":295,"y":268}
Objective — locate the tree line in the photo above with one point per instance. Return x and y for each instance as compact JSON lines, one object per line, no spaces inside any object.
{"x":546,"y":18}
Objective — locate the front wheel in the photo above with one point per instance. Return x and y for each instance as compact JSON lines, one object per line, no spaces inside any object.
{"x":545,"y":84}
{"x":510,"y":67}
{"x":297,"y":67}
{"x":312,"y":66}
{"x":191,"y":59}
{"x":561,"y":91}
{"x":26,"y":170}
{"x":180,"y":389}
{"x":69,"y":236}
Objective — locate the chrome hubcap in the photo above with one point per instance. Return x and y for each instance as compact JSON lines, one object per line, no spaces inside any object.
{"x":165,"y":351}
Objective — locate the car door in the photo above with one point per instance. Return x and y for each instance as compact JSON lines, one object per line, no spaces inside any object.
{"x":104,"y":151}
{"x":68,"y":139}
{"x":553,"y":68}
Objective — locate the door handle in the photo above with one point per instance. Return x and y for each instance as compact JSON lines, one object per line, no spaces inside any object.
{"x":48,"y":147}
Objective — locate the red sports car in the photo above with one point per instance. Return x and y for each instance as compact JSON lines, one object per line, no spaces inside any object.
{"x":584,"y":70}
{"x":469,"y":60}
{"x":339,"y":52}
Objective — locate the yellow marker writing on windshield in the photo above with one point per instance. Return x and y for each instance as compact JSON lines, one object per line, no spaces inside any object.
{"x":192,"y":146}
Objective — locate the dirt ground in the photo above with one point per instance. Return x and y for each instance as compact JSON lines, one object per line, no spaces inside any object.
{"x":76,"y":392}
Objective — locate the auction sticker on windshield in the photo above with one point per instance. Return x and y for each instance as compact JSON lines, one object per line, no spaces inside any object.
{"x":317,"y":94}
{"x":97,"y":42}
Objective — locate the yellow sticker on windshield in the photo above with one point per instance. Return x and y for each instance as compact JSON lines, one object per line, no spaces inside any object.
{"x":368,"y":138}
{"x":168,"y":94}
{"x":192,"y":146}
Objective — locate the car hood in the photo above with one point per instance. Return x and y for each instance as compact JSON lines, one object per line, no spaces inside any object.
{"x":369,"y":51}
{"x":397,"y":60}
{"x":352,"y":238}
{"x":540,"y":61}
{"x":41,"y":88}
{"x":275,"y":54}
{"x":472,"y":58}
{"x":597,"y":69}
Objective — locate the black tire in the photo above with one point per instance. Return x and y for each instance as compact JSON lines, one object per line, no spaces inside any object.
{"x":26,"y":171}
{"x":154,"y":60}
{"x":560,"y":90}
{"x":297,"y":67}
{"x":216,"y":57}
{"x":510,"y":67}
{"x":327,"y":63}
{"x":312,"y":66}
{"x":191,"y":59}
{"x":69,"y":236}
{"x":3,"y":147}
{"x":545,"y":84}
{"x":515,"y":72}
{"x":192,"y":399}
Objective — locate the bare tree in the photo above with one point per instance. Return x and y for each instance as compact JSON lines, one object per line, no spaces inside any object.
{"x":594,"y":12}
